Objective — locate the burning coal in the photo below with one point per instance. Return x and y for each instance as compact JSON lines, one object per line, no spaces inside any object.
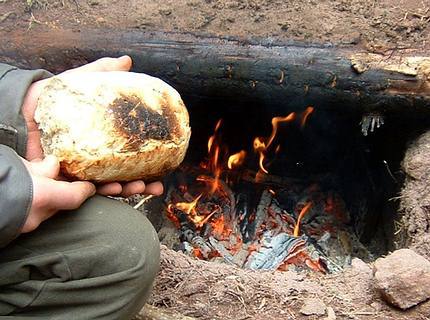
{"x":252,"y":219}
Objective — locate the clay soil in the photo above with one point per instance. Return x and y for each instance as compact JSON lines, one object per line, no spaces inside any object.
{"x":219,"y":291}
{"x":377,"y":25}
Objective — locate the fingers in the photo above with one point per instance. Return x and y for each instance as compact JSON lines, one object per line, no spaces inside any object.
{"x":134,"y":187}
{"x":69,"y":195}
{"x":155,"y":188}
{"x":130,"y":188}
{"x":105,"y":64}
{"x":110,"y":189}
{"x":126,"y":190}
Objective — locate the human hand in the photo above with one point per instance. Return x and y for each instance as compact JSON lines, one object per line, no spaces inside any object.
{"x":34,"y":148}
{"x":51,"y":195}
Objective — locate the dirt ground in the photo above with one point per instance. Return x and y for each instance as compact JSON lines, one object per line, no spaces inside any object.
{"x":219,"y":291}
{"x":376,"y":25}
{"x":207,"y":290}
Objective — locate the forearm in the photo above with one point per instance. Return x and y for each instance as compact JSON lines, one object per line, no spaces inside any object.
{"x":14,"y":84}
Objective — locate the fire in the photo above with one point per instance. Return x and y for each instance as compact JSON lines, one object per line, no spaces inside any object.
{"x":305,"y":115}
{"x":236,"y":160}
{"x":304,"y":210}
{"x":212,"y":137}
{"x":188,"y":207}
{"x":226,"y":219}
{"x":214,"y":154}
{"x":275,"y":125}
{"x":261,"y":146}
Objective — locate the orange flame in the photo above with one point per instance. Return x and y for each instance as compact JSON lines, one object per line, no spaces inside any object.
{"x":305,"y":115}
{"x":188,"y":207}
{"x":275,"y":125}
{"x":299,"y":219}
{"x":214,"y":153}
{"x":261,"y":146}
{"x":236,"y":160}
{"x":212,"y":137}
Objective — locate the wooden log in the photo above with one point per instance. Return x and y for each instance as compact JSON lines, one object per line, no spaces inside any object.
{"x":279,"y":75}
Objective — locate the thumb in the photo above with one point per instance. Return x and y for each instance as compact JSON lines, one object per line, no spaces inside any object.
{"x":48,"y":167}
{"x":73,"y":194}
{"x":105,"y":64}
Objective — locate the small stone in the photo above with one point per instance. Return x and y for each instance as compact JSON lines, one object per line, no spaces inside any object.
{"x":377,"y":306}
{"x":93,"y":2}
{"x":284,"y":26}
{"x":360,"y":266}
{"x":313,"y":306}
{"x":330,"y":314}
{"x":165,"y":12}
{"x":403,"y":278}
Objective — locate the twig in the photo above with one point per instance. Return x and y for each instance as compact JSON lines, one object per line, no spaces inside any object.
{"x":145,"y":199}
{"x":5,"y":16}
{"x":32,"y":20}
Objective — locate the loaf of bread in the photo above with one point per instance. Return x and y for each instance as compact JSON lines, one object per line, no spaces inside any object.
{"x":113,"y":126}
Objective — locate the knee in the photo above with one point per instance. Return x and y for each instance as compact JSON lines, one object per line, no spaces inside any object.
{"x":129,"y":239}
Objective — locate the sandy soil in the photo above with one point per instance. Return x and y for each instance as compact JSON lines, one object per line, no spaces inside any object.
{"x":377,"y":25}
{"x":212,"y":291}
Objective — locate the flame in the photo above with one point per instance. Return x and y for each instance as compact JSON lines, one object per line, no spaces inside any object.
{"x":188,"y":207}
{"x":261,"y":146}
{"x":304,"y":210}
{"x":236,"y":160}
{"x":214,"y":154}
{"x":212,"y":137}
{"x":305,"y":115}
{"x":275,"y":125}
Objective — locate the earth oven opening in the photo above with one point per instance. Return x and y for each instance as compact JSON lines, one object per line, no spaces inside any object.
{"x":267,"y":187}
{"x":345,"y":183}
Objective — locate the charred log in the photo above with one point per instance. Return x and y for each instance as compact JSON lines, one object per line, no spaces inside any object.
{"x":291,"y":75}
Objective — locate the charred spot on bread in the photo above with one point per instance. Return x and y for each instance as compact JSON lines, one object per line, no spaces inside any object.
{"x":137,"y":122}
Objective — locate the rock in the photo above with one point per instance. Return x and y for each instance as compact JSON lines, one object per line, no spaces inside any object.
{"x":330,"y":314}
{"x":313,"y":306}
{"x":403,"y":278}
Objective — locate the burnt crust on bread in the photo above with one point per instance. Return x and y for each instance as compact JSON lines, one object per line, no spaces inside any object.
{"x":137,"y":128}
{"x":138,"y":123}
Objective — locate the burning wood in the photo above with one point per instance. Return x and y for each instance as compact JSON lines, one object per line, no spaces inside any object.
{"x":219,"y":215}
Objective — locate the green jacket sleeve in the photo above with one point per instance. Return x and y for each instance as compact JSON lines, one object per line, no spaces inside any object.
{"x":14,"y":84}
{"x":16,"y":188}
{"x":16,"y":195}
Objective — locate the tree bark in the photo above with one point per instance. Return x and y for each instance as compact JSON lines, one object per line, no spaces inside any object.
{"x":291,"y":75}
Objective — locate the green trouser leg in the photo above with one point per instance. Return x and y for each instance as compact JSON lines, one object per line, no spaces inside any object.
{"x":97,"y":262}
